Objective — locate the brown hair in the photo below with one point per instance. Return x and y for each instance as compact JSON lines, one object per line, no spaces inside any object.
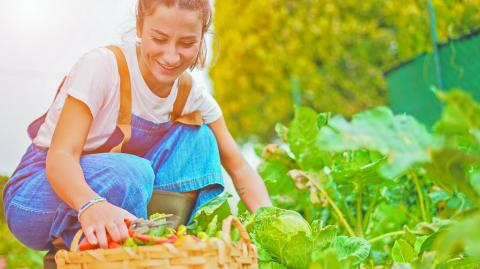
{"x":147,"y":7}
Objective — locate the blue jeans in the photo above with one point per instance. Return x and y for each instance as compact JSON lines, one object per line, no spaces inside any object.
{"x":176,"y":158}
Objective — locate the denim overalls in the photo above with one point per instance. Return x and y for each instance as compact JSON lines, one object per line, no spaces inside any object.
{"x":168,"y":156}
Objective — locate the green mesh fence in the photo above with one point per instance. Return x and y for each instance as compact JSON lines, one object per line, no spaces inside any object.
{"x":409,"y":84}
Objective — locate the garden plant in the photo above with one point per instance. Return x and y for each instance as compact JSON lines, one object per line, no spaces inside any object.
{"x":377,"y":191}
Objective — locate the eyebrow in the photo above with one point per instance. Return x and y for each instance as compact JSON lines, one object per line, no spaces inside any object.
{"x":183,"y":37}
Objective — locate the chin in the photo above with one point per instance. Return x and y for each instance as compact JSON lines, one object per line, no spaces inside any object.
{"x":166,"y":78}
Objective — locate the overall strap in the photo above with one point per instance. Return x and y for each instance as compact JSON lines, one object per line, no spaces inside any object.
{"x":184,"y":88}
{"x":124,"y":115}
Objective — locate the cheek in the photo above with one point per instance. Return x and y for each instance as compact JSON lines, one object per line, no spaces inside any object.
{"x":151,"y":49}
{"x":190,"y":53}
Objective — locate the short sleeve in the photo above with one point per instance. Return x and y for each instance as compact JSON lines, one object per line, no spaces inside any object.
{"x":203,"y":101}
{"x":91,"y":78}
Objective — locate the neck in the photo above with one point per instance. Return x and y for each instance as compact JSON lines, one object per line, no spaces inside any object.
{"x":158,"y":88}
{"x":161,"y":91}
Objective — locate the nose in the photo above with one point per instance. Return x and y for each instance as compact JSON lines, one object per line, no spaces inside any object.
{"x":171,"y":57}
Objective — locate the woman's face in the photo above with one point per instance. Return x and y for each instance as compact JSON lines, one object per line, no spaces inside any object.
{"x":171,"y":39}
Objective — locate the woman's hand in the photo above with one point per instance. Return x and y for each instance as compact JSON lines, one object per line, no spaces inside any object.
{"x":102,"y":218}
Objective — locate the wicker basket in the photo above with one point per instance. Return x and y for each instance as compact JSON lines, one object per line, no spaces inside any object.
{"x":184,"y":254}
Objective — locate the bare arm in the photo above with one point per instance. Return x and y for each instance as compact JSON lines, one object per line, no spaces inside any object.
{"x":63,"y":158}
{"x":66,"y":176}
{"x":248,"y":183}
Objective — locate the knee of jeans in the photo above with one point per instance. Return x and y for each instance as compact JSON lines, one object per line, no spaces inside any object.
{"x":123,"y":179}
{"x":134,"y":174}
{"x":135,"y":170}
{"x":29,"y":228}
{"x":120,"y":168}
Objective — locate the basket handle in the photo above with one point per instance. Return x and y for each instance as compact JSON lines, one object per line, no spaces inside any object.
{"x":76,"y":240}
{"x":227,"y":226}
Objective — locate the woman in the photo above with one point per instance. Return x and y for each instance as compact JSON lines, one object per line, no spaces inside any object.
{"x":127,"y":120}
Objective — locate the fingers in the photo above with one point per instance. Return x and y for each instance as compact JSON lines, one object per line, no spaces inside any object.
{"x":114,"y":231}
{"x":123,"y":231}
{"x":90,"y":235}
{"x":101,"y":236}
{"x":104,"y":222}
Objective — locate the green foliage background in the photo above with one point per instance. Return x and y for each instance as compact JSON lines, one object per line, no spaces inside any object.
{"x":337,"y":50}
{"x":412,"y":193}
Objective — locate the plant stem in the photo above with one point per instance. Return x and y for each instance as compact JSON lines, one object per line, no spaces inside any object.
{"x":404,"y":210}
{"x":420,"y":197}
{"x":373,"y":202}
{"x":358,"y":223}
{"x":339,"y":213}
{"x":380,"y":237}
{"x":340,"y":216}
{"x":346,"y":210}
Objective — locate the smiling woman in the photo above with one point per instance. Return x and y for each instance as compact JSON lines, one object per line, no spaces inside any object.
{"x":128,"y":121}
{"x":169,"y":46}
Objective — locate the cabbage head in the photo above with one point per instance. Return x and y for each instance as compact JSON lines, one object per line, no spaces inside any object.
{"x":284,"y":234}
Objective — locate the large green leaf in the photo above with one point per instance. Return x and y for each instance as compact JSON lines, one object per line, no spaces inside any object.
{"x":297,"y":253}
{"x":283,"y":236}
{"x":460,"y":113}
{"x":271,"y":265}
{"x":461,"y":263}
{"x":275,"y":176}
{"x":217,"y":207}
{"x":323,"y":236}
{"x":459,"y":120}
{"x":402,"y":139}
{"x":301,"y":138}
{"x":474,"y":175}
{"x":449,"y":167}
{"x":403,"y":252}
{"x":280,"y":186}
{"x":329,"y":259}
{"x":355,"y":247}
{"x":357,"y":167}
{"x":402,"y":265}
{"x":462,"y":236}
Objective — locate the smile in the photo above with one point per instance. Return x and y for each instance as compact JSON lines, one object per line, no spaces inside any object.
{"x":168,"y":68}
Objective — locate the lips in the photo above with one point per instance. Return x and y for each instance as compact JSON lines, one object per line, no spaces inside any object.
{"x":167,"y":69}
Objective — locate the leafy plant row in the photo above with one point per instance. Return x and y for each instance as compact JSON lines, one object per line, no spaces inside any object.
{"x":377,"y":190}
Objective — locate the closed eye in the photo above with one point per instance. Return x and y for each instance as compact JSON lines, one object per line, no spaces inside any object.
{"x":159,"y":40}
{"x":187,"y":44}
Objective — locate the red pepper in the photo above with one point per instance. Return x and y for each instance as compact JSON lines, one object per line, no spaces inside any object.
{"x":157,"y":240}
{"x":128,"y":222}
{"x":113,"y":244}
{"x":84,"y":245}
{"x":143,"y":237}
{"x":171,"y":239}
{"x":131,"y":233}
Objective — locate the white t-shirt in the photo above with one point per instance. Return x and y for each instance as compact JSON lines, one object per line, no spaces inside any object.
{"x":95,"y":81}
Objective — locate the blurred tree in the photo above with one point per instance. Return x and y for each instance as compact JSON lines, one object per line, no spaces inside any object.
{"x":335,"y":51}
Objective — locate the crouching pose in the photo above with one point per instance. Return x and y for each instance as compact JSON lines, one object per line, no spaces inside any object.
{"x":126,"y":121}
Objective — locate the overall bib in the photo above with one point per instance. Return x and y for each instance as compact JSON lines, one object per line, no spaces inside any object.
{"x":139,"y":157}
